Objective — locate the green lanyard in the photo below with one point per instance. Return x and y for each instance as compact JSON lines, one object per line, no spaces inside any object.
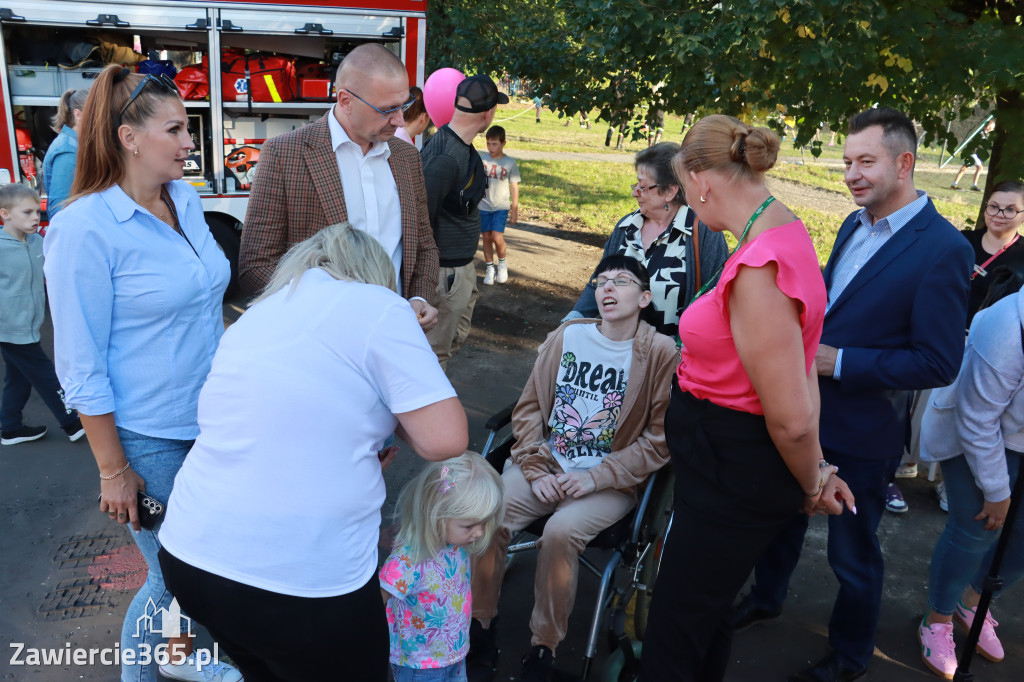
{"x":711,"y":280}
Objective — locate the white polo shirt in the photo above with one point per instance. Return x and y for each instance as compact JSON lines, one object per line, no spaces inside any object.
{"x":283,"y":488}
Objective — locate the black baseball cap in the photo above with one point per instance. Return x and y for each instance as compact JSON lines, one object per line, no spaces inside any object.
{"x":481,"y":92}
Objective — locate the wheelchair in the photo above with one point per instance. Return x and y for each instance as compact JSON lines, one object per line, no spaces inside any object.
{"x":626,"y":577}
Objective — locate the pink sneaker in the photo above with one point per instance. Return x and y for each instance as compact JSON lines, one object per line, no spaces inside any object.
{"x":988,"y":644}
{"x":937,"y":649}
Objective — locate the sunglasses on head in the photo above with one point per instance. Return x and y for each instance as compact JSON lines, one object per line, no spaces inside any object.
{"x":159,"y":81}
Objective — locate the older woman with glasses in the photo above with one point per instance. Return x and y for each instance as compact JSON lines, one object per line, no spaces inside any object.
{"x":680,"y":254}
{"x":998,"y":243}
{"x":136,"y":283}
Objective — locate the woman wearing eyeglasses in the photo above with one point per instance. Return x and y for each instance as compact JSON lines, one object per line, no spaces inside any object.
{"x":136,"y":283}
{"x":660,"y":234}
{"x":999,"y":242}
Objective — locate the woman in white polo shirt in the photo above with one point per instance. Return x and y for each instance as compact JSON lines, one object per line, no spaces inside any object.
{"x":271,"y":532}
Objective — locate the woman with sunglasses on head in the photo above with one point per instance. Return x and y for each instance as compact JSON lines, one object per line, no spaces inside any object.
{"x":998,"y":242}
{"x":742,"y":422}
{"x":661,"y":234}
{"x":136,"y":283}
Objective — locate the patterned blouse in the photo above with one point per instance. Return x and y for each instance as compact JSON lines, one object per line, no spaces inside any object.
{"x":665,"y":260}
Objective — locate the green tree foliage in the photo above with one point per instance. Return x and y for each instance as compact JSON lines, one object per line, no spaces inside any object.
{"x":819,"y":61}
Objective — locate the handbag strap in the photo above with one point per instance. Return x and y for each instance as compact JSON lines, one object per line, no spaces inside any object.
{"x":980,"y":269}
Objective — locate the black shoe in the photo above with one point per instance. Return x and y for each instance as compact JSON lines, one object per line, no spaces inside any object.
{"x":537,"y":665}
{"x":828,"y":669}
{"x":22,"y":435}
{"x":75,"y":430}
{"x":746,"y":613}
{"x":482,"y":659}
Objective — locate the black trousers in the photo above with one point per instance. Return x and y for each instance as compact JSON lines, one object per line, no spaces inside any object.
{"x":275,"y":637}
{"x":26,"y":367}
{"x":733,"y":496}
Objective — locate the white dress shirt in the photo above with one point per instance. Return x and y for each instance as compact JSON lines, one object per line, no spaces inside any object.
{"x":371,"y":195}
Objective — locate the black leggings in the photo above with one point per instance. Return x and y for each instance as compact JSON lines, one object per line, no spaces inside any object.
{"x":733,"y":496}
{"x":275,"y":637}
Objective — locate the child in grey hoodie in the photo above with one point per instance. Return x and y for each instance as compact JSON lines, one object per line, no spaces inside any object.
{"x":22,"y":309}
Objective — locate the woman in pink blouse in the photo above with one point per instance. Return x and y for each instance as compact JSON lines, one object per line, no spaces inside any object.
{"x":742,"y":425}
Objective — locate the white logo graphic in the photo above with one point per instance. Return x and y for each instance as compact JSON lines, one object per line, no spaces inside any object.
{"x":170,"y":621}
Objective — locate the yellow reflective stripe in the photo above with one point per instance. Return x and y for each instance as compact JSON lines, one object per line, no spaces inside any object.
{"x":274,"y":94}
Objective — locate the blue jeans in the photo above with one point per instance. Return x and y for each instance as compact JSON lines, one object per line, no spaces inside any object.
{"x":964,"y":551}
{"x":456,"y":672}
{"x":157,"y":461}
{"x":493,"y":221}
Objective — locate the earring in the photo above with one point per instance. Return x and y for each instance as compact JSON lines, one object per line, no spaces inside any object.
{"x":135,"y":151}
{"x":702,"y":199}
{"x":666,"y":205}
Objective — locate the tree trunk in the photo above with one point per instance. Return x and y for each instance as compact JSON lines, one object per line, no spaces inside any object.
{"x":1007,"y":160}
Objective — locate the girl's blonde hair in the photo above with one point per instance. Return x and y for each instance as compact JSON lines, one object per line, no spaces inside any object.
{"x":464,"y":487}
{"x":343,"y":252}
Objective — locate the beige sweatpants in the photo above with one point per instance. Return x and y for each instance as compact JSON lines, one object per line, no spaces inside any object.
{"x":573,"y":523}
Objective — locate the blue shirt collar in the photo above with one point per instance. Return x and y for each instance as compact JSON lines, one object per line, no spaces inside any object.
{"x":70,"y":132}
{"x":899,"y":217}
{"x":123,"y":207}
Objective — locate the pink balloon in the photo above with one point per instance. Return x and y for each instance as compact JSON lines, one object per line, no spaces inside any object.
{"x":439,"y":94}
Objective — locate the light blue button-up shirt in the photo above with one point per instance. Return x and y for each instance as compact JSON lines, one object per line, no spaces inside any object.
{"x":136,"y":312}
{"x":864,"y":243}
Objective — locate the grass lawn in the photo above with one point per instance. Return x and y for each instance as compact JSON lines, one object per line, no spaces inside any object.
{"x":591,"y":196}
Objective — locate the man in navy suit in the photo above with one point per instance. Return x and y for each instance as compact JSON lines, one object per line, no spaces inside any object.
{"x":897,"y":281}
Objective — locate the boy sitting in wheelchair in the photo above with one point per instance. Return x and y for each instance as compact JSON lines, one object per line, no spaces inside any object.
{"x":589,"y":430}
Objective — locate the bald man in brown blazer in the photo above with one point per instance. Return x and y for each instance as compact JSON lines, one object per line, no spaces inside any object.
{"x":347,"y":166}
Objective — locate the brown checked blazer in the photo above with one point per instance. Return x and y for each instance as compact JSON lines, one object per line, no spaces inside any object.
{"x":297,"y":192}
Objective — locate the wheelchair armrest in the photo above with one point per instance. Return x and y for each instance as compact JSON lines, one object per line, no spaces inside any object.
{"x":501,"y":419}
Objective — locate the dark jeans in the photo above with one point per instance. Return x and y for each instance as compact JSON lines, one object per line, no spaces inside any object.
{"x":275,"y":637}
{"x":26,"y":367}
{"x":733,"y":496}
{"x":853,"y":553}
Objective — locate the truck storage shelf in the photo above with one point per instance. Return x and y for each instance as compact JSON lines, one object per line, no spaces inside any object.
{"x":281,"y":106}
{"x":29,"y":101}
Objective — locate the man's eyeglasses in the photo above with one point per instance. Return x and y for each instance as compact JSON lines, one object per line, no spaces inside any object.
{"x":620,"y":281}
{"x":385,"y":113}
{"x":160,"y":81}
{"x":1010,"y":212}
{"x":640,"y":189}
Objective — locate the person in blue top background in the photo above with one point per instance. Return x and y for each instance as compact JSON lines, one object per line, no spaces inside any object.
{"x":61,"y":155}
{"x":136,"y":282}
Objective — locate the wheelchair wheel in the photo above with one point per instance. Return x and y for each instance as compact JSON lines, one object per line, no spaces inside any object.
{"x":655,"y":531}
{"x":617,"y":661}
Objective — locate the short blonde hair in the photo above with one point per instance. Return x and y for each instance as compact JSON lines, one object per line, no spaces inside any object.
{"x":464,"y":487}
{"x":14,"y":193}
{"x":340,"y":250}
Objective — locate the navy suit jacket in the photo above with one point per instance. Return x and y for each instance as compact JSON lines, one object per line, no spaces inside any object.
{"x":900,"y":322}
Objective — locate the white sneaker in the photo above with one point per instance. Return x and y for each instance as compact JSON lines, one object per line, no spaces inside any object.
{"x":211,"y":672}
{"x":940,"y":490}
{"x":907,"y":471}
{"x":502,"y":272}
{"x":489,"y":275}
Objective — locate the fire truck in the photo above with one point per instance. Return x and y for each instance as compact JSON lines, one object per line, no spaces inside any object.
{"x":268,"y":68}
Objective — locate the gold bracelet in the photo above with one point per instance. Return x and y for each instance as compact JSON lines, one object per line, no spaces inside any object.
{"x":113,"y":476}
{"x":822,"y":465}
